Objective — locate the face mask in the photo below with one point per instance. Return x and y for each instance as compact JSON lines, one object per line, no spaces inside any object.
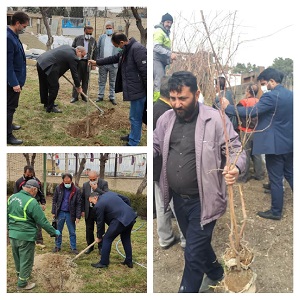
{"x":119,"y":49}
{"x":20,"y":31}
{"x":109,"y":31}
{"x":264,"y":88}
{"x":67,"y":185}
{"x":28,"y":177}
{"x":93,"y":181}
{"x":87,"y":36}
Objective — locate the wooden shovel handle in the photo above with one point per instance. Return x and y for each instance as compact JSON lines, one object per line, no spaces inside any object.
{"x":89,"y":246}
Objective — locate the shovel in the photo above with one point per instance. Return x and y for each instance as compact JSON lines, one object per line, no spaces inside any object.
{"x":82,"y":93}
{"x":79,"y":254}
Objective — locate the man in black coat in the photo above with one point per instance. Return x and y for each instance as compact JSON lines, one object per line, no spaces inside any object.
{"x":51,"y":65}
{"x":131,"y":80}
{"x":90,"y":45}
{"x":98,"y":185}
{"x":116,"y":212}
{"x":40,"y":197}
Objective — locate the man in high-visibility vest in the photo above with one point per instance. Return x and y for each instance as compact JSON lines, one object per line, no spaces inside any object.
{"x":23,"y":215}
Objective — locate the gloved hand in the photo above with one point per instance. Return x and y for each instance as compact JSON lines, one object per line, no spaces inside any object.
{"x":57,"y":232}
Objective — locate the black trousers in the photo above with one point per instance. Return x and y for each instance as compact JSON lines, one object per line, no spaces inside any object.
{"x":84,"y":76}
{"x":199,"y":255}
{"x":49,"y":85}
{"x":90,"y":222}
{"x":12,"y":104}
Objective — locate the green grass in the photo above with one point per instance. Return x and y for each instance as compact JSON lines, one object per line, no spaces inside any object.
{"x":115,"y":279}
{"x":49,"y":129}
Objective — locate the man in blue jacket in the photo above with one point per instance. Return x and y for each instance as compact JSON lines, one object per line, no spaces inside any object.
{"x":273,"y":135}
{"x":114,"y":210}
{"x":16,"y":71}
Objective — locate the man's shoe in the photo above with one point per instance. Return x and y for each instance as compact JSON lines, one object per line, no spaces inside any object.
{"x":268,"y":215}
{"x":14,"y":141}
{"x":267,"y":186}
{"x":98,"y":265}
{"x":74,"y":251}
{"x":125,"y":138}
{"x":28,"y":286}
{"x":55,"y":110}
{"x":128,"y":264}
{"x":16,"y":127}
{"x":83,"y":99}
{"x":42,"y":246}
{"x":88,"y":251}
{"x":113,"y":101}
{"x":73,"y":100}
{"x":208,"y":283}
{"x":55,"y":105}
{"x":55,"y":249}
{"x":99,"y":99}
{"x":267,"y":191}
{"x":174,"y":242}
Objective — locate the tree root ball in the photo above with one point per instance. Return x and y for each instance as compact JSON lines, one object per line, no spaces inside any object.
{"x":240,"y":281}
{"x":56,"y":273}
{"x":246,"y":258}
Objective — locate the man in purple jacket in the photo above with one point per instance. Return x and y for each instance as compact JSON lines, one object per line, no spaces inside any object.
{"x":191,"y":141}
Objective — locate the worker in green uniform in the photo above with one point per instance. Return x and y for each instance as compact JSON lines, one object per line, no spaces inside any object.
{"x":23,"y":215}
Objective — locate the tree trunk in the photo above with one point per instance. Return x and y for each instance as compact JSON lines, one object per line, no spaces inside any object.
{"x":28,"y":161}
{"x":48,"y":29}
{"x":103,"y":160}
{"x":143,"y":184}
{"x":81,"y":168}
{"x":143,"y":31}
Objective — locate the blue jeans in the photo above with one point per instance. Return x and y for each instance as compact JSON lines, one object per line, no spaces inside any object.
{"x":136,"y":120}
{"x":63,"y":217}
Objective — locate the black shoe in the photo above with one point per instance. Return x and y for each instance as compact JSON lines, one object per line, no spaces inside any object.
{"x":99,"y":99}
{"x":14,"y":141}
{"x":88,"y":251}
{"x":74,"y":251}
{"x":208,"y":283}
{"x":55,"y":105}
{"x":98,"y":265}
{"x":16,"y":127}
{"x":268,"y":215}
{"x":84,"y":100}
{"x":174,"y":242}
{"x":267,"y":186}
{"x":55,"y":249}
{"x":129,"y":264}
{"x":113,"y":101}
{"x":267,"y":191}
{"x":73,"y":100}
{"x":125,"y":138}
{"x":55,"y":110}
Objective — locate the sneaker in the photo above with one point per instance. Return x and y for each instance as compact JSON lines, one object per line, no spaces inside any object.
{"x":42,"y":246}
{"x":28,"y":286}
{"x":174,"y":242}
{"x":208,"y":283}
{"x":267,"y":186}
{"x":55,"y":249}
{"x":99,"y":99}
{"x":74,"y":251}
{"x":268,"y":215}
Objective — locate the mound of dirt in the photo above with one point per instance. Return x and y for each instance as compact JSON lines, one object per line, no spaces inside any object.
{"x":110,"y":119}
{"x":56,"y":273}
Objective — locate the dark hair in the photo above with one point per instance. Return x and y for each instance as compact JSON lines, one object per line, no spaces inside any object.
{"x":88,"y":27}
{"x":19,"y":16}
{"x":118,"y":37}
{"x":182,"y":78}
{"x":271,"y":73}
{"x":222,"y":82}
{"x":94,"y":194}
{"x":164,"y":88}
{"x":252,"y":89}
{"x":30,"y":168}
{"x":66,"y":175}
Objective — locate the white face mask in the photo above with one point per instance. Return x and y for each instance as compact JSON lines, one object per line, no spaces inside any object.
{"x":87,"y":36}
{"x":94,"y":182}
{"x":264,"y":88}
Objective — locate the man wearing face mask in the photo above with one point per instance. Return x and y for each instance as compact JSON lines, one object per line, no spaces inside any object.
{"x":95,"y":184}
{"x":16,"y":71}
{"x":273,"y":135}
{"x":106,"y":48}
{"x":23,"y":215}
{"x":66,"y":208}
{"x":51,"y":65}
{"x":88,"y":42}
{"x":131,"y":80}
{"x":162,"y":54}
{"x":40,"y":197}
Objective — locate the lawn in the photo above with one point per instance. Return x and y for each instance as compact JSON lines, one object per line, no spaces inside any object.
{"x":80,"y":123}
{"x":117,"y":278}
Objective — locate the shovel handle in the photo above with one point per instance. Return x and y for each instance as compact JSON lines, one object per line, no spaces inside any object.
{"x":89,"y":246}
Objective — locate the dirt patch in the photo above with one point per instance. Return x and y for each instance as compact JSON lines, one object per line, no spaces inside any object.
{"x":111,"y":119}
{"x":56,"y":273}
{"x":271,"y":242}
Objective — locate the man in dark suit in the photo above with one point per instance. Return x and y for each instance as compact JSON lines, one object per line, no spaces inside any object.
{"x":89,"y":43}
{"x":16,"y":71}
{"x":51,"y":65}
{"x":273,"y":135}
{"x":116,"y":212}
{"x":98,"y":185}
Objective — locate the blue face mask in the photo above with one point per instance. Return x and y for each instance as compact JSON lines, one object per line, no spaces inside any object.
{"x":67,"y":185}
{"x":109,"y":31}
{"x":119,"y":49}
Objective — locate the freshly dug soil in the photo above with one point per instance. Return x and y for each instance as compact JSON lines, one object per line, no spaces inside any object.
{"x":56,"y":273}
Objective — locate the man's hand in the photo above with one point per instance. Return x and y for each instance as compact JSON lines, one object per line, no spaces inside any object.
{"x":17,"y":89}
{"x":93,"y":67}
{"x":173,"y":56}
{"x":83,"y":214}
{"x":92,"y":62}
{"x":93,"y":185}
{"x":224,"y":102}
{"x":230,"y":176}
{"x":79,"y":90}
{"x":77,"y":221}
{"x":53,"y":216}
{"x":98,"y":240}
{"x":43,"y":206}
